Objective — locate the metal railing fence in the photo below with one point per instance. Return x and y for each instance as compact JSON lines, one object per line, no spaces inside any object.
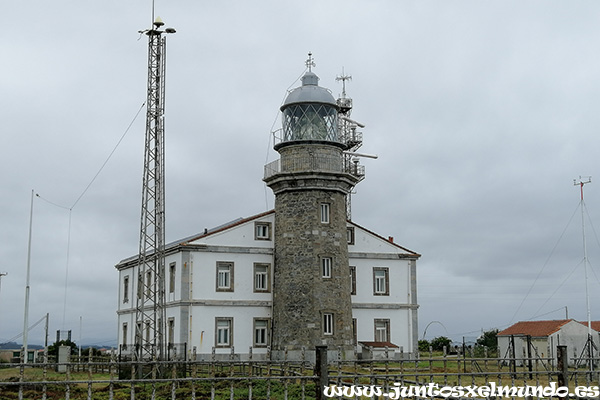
{"x":109,"y":378}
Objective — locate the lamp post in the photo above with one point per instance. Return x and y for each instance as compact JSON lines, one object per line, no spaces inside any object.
{"x":1,"y":275}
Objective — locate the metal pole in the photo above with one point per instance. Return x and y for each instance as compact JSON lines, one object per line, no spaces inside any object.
{"x":46,"y":330}
{"x":1,"y":275}
{"x":80,"y":323}
{"x":580,"y":183}
{"x":26,"y":313}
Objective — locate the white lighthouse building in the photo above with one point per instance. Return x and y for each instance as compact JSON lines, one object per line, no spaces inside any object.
{"x":279,"y":283}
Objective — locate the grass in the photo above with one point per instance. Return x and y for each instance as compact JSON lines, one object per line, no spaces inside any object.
{"x":56,"y":388}
{"x":447,"y":371}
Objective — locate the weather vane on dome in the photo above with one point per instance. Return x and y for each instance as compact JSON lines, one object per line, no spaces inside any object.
{"x":310,"y":62}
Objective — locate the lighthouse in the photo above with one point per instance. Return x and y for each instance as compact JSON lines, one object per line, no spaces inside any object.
{"x":311,"y":181}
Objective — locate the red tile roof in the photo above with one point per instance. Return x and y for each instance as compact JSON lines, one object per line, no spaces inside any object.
{"x":595,"y":325}
{"x":379,"y":345}
{"x":535,"y":328}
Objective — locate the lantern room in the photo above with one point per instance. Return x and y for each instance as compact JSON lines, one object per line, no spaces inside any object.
{"x":309,"y":113}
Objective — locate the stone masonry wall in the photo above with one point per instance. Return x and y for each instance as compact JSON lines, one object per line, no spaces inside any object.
{"x":300,"y":293}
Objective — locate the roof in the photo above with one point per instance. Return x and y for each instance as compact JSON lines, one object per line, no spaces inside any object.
{"x":310,"y":92}
{"x":595,"y":325}
{"x":390,"y":240}
{"x":379,"y":345}
{"x":220,"y":228}
{"x":207,"y":232}
{"x":239,"y":221}
{"x":535,"y":328}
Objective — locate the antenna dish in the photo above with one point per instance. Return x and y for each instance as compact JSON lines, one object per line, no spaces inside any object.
{"x":158,"y":22}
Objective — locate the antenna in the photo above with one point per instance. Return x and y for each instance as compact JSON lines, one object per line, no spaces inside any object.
{"x":343,"y":78}
{"x":150,"y":306}
{"x":581,"y":182}
{"x":351,"y":137}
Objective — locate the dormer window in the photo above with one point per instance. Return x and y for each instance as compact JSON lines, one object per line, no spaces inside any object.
{"x":262,"y":231}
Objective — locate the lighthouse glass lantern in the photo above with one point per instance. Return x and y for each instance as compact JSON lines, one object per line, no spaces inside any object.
{"x":310,"y":113}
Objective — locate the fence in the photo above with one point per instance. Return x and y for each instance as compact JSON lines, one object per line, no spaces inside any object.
{"x":98,"y":378}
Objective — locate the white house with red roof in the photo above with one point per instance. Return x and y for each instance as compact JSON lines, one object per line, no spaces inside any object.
{"x":219,"y":284}
{"x":543,"y":338}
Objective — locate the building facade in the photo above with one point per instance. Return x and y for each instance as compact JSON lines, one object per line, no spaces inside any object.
{"x":219,"y":291}
{"x":303,"y":275}
{"x":539,"y":339}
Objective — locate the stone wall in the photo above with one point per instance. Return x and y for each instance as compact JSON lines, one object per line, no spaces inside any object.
{"x":301,"y":295}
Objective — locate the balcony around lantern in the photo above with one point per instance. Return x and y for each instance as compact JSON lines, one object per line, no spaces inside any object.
{"x":317,"y":164}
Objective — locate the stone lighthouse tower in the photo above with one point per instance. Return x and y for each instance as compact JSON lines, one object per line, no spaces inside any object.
{"x":311,"y":287}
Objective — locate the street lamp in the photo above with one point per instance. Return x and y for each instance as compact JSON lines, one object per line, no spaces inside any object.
{"x":1,"y":275}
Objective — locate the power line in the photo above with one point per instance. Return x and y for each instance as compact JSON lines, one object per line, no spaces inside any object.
{"x":109,"y":156}
{"x":12,"y":339}
{"x":70,"y":209}
{"x":559,"y":286}
{"x":544,"y":266}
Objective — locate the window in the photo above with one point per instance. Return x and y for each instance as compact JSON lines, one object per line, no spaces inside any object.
{"x":148,"y":283}
{"x":262,"y":231}
{"x":140,"y":286}
{"x":223,"y":333}
{"x":324,"y":213}
{"x":326,"y":267}
{"x":124,"y":341}
{"x":350,"y":234}
{"x":172,"y":271}
{"x":261,"y":332}
{"x":224,"y":276}
{"x":170,"y":330}
{"x":138,"y":333}
{"x":147,"y":331}
{"x":352,"y":280}
{"x":262,"y":282}
{"x":126,"y":289}
{"x":382,"y":330}
{"x":327,"y":324}
{"x":354,"y":331}
{"x":381,"y":281}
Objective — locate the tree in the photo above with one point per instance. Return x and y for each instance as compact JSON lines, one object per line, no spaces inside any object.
{"x":488,"y":339}
{"x":53,"y":348}
{"x":423,"y":345}
{"x":440,"y":342}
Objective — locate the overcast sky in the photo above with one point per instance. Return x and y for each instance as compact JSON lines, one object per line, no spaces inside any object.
{"x":482,"y":114}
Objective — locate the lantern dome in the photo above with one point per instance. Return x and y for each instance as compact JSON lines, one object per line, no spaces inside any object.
{"x":309,"y":92}
{"x":310,"y":112}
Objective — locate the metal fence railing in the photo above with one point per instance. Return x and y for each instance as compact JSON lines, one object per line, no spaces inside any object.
{"x":89,"y":377}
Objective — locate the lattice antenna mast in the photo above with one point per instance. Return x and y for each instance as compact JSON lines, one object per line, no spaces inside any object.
{"x":150,"y":306}
{"x":348,"y":129}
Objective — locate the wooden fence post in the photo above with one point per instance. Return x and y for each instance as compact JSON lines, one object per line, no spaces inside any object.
{"x":530,"y":364}
{"x":562,"y":366}
{"x":321,"y":371}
